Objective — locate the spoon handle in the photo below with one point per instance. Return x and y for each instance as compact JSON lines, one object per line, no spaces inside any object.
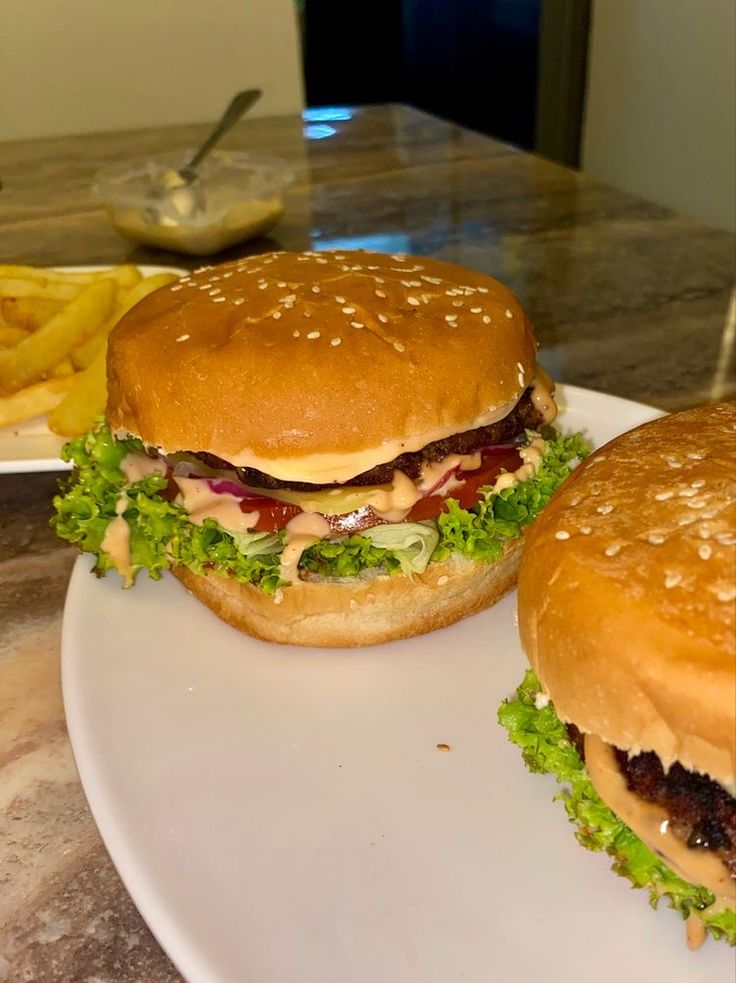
{"x":239,"y":105}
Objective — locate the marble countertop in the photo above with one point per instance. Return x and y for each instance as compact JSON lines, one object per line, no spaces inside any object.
{"x":626,"y":297}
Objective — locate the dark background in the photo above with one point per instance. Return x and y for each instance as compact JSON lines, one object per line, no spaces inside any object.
{"x":472,"y":61}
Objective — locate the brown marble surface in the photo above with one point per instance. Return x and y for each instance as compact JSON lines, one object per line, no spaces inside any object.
{"x":626,"y":297}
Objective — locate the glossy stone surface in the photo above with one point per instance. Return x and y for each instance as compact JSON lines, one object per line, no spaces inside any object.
{"x":626,"y":297}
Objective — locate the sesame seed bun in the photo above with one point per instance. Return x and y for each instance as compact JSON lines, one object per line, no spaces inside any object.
{"x":627,"y":593}
{"x":318,"y":366}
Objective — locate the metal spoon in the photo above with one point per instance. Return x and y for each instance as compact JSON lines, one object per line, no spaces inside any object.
{"x":239,"y":105}
{"x":179,"y":191}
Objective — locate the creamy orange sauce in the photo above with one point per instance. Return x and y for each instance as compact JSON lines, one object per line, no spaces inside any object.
{"x":432,"y":471}
{"x":651,"y":824}
{"x":138,"y":466}
{"x":201,"y":503}
{"x":116,"y":542}
{"x":531,"y":455}
{"x":301,"y":531}
{"x":542,"y":398}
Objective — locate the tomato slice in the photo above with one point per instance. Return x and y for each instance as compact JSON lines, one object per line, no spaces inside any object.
{"x":272,"y":514}
{"x":494,"y":460}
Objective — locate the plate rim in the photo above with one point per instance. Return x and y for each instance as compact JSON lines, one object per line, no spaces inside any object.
{"x":190,"y":960}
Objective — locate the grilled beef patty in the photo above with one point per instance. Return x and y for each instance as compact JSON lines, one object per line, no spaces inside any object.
{"x":701,"y":812}
{"x":524,"y":416}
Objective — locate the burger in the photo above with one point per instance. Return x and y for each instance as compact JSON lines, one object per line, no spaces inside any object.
{"x":332,"y":449}
{"x":627,"y":604}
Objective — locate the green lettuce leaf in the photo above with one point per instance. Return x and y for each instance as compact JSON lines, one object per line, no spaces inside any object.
{"x":161,"y":533}
{"x":533,"y":725}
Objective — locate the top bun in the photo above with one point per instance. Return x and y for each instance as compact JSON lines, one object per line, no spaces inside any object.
{"x":318,"y":366}
{"x":627,"y":590}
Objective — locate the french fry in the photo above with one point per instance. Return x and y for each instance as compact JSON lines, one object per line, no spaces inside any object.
{"x":38,"y":354}
{"x":63,"y":368}
{"x":33,"y":401}
{"x":84,"y":401}
{"x":29,"y":313}
{"x":126,"y":275}
{"x":10,"y":335}
{"x":83,"y":355}
{"x":39,"y":287}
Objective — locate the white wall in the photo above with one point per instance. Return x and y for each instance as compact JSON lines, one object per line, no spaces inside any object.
{"x":70,"y":66}
{"x":661,"y":104}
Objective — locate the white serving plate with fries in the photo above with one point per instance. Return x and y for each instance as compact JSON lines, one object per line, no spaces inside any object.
{"x":282,"y":814}
{"x":28,"y":445}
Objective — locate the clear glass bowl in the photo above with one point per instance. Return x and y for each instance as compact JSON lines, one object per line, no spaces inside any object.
{"x":236,"y":196}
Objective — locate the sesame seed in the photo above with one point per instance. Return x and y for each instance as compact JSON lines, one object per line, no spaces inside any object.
{"x":562,"y":534}
{"x":379,"y":279}
{"x":335,"y":342}
{"x":218,"y":300}
{"x":727,"y":594}
{"x":357,"y":324}
{"x":289,"y":299}
{"x":413,"y":301}
{"x":726,"y":538}
{"x":312,"y":335}
{"x":655,"y":538}
{"x":226,"y":276}
{"x":483,"y":290}
{"x":441,"y":581}
{"x":399,"y":347}
{"x":288,"y":307}
{"x":306,"y":313}
{"x":348,"y":310}
{"x":316,"y":289}
{"x":486,"y":319}
{"x":276,"y":315}
{"x":696,"y":503}
{"x":451,"y":317}
{"x":281,"y":283}
{"x":663,"y":496}
{"x":382,"y":318}
{"x":520,"y":379}
{"x":612,"y":550}
{"x":508,"y":313}
{"x":176,"y":286}
{"x":671,"y":463}
{"x":476,"y":310}
{"x":694,"y":456}
{"x":704,"y":533}
{"x":340,"y":300}
{"x":239,"y":300}
{"x":705,"y":550}
{"x":322,"y":261}
{"x":585,"y":530}
{"x":604,"y":509}
{"x":697,"y":484}
{"x":214,"y":292}
{"x":183,"y":337}
{"x":672,"y":580}
{"x":431,"y":279}
{"x":262,"y":286}
{"x":380,"y":293}
{"x":458,"y":303}
{"x":295,"y":334}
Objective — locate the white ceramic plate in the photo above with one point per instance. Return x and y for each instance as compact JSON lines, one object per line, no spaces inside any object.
{"x":284,"y":815}
{"x":30,"y":446}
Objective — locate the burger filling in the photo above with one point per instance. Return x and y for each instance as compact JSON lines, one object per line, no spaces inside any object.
{"x":673,"y":832}
{"x":138,"y":509}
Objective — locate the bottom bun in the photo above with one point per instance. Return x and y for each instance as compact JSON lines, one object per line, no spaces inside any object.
{"x":359,"y":611}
